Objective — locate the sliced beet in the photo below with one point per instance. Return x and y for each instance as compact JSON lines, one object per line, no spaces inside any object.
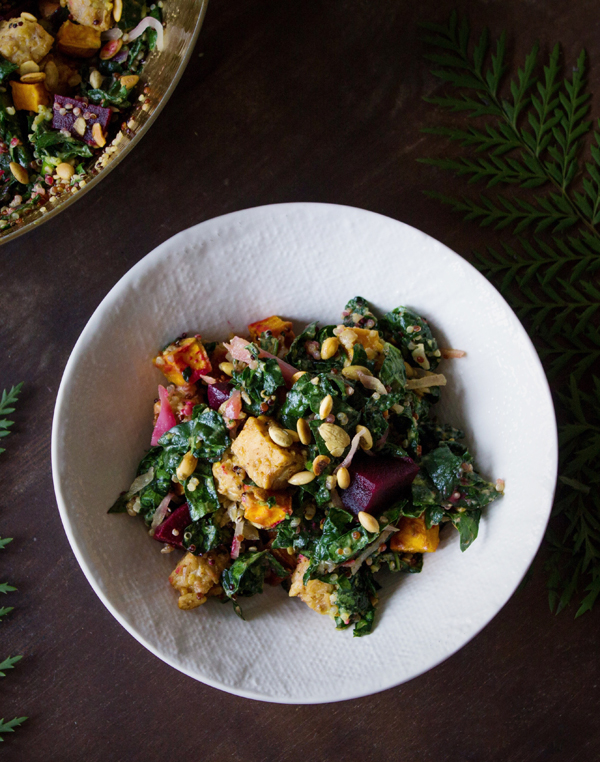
{"x":218,"y":394}
{"x":376,"y":482}
{"x":178,"y":521}
{"x":76,"y":109}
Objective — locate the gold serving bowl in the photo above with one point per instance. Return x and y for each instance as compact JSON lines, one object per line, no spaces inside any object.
{"x":183,"y":20}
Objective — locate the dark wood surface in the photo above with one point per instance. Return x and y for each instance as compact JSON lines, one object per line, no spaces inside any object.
{"x":319,"y":100}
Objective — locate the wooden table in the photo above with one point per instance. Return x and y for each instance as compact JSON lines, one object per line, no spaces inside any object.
{"x":282,"y":101}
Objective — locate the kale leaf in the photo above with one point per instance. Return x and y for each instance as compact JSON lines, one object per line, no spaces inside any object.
{"x":205,"y":434}
{"x":467,"y":524}
{"x":357,"y":314}
{"x":353,"y":597}
{"x":444,"y":469}
{"x":260,"y":384}
{"x":393,"y":372}
{"x":203,"y":498}
{"x":408,"y":331}
{"x":245,"y":577}
{"x":205,"y":534}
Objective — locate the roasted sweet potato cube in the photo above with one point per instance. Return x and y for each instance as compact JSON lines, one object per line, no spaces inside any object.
{"x":27,"y":97}
{"x":266,"y":463}
{"x":78,"y":41}
{"x":369,"y":339}
{"x":265,"y":508}
{"x":184,"y":361}
{"x":280,"y":329}
{"x":413,"y":537}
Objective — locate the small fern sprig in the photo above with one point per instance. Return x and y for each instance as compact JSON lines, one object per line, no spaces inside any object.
{"x":9,"y":727}
{"x":7,"y":403}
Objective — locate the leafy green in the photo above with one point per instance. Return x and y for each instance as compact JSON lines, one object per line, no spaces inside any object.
{"x":408,"y":331}
{"x":6,"y":588}
{"x":393,"y":372}
{"x":357,"y":313}
{"x":205,"y":434}
{"x":539,"y":136}
{"x":6,"y":68}
{"x":260,"y":384}
{"x":305,"y":398}
{"x":467,"y":524}
{"x":444,"y":469}
{"x":7,"y":406}
{"x":353,"y":597}
{"x":9,"y":663}
{"x":53,"y":143}
{"x":202,"y":498}
{"x":245,"y":577}
{"x":9,"y":727}
{"x":133,"y":12}
{"x":205,"y":534}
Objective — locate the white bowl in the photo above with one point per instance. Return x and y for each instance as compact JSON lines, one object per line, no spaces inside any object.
{"x":303,"y":261}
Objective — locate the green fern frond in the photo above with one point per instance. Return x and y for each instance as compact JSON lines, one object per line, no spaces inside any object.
{"x":9,"y":727}
{"x":531,"y":133}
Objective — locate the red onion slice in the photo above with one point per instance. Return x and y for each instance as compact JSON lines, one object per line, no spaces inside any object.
{"x":233,"y":406}
{"x":237,"y":349}
{"x":161,"y":513}
{"x":149,"y":21}
{"x":166,"y":418}
{"x":370,"y":382}
{"x":353,"y":448}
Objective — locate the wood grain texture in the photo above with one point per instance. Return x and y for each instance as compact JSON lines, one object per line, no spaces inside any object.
{"x":282,"y":101}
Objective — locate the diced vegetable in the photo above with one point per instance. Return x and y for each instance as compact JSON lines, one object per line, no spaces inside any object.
{"x":414,"y":537}
{"x":172,"y":528}
{"x":184,"y":361}
{"x":278,"y":328}
{"x":29,"y":97}
{"x":79,"y":118}
{"x":78,"y":41}
{"x":265,"y":508}
{"x":166,"y":418}
{"x":377,"y":482}
{"x":218,"y":393}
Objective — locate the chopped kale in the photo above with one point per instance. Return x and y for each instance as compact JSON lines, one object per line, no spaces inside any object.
{"x":357,"y":314}
{"x":410,"y":332}
{"x":246,"y":576}
{"x":467,"y":524}
{"x":260,"y":385}
{"x":205,"y":534}
{"x":205,"y":435}
{"x":393,"y":372}
{"x":444,"y":469}
{"x":200,"y":492}
{"x":354,"y":598}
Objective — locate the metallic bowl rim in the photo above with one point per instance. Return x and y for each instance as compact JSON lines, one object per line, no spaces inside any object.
{"x":129,"y":147}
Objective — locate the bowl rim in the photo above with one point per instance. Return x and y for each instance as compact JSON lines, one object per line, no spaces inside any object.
{"x":69,"y":201}
{"x":57,"y":423}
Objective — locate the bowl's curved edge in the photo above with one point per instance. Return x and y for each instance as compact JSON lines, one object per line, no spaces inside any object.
{"x":57,"y":423}
{"x":62,"y":205}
